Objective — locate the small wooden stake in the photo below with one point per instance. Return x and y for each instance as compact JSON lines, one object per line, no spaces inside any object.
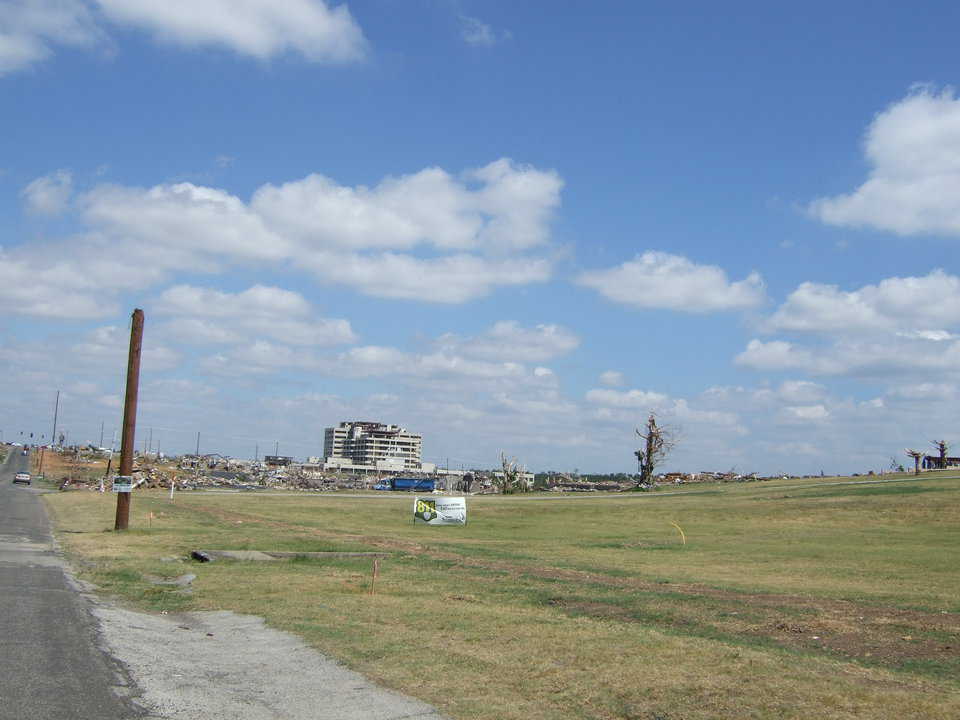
{"x":376,"y":572}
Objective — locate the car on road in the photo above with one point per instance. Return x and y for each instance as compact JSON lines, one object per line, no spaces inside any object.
{"x":22,"y":477}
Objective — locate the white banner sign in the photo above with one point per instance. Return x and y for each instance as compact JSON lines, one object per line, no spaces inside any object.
{"x":440,"y":510}
{"x":122,"y":484}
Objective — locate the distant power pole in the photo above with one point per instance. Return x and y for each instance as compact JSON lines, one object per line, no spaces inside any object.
{"x":130,"y":417}
{"x":198,"y":444}
{"x":56,"y":410}
{"x":256,"y":452}
{"x":101,"y":434}
{"x":276,"y":449}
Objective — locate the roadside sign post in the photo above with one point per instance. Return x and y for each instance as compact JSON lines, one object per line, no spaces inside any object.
{"x":440,"y":510}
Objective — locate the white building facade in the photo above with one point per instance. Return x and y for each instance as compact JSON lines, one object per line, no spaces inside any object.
{"x":372,"y":445}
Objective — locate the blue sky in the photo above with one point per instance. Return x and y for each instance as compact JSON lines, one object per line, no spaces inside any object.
{"x":508,"y":226}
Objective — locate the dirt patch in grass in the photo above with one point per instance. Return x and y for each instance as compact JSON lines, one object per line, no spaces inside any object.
{"x":873,"y":639}
{"x":887,"y":636}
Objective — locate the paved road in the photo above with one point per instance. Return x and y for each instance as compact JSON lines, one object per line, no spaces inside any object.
{"x":66,"y":656}
{"x":51,"y":666}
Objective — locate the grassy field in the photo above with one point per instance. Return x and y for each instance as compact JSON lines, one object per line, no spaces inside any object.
{"x":790,"y":599}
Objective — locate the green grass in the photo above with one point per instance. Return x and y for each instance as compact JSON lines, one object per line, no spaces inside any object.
{"x":790,"y":599}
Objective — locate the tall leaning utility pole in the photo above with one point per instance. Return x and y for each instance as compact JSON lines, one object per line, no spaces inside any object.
{"x":129,"y":417}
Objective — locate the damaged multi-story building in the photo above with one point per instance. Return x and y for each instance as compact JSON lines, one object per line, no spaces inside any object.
{"x":372,"y":446}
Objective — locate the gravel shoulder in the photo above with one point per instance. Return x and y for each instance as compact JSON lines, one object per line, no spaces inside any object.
{"x":194,"y":666}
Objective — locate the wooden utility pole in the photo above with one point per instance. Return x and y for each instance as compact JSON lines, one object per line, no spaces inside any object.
{"x":129,"y":417}
{"x":53,"y":440}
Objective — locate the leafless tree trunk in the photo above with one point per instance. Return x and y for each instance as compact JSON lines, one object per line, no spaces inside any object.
{"x":941,"y":446}
{"x":658,"y":441}
{"x":512,"y":480}
{"x":916,"y":455}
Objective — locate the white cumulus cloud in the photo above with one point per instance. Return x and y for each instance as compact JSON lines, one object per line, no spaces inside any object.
{"x":628,"y":406}
{"x":29,"y":29}
{"x":184,"y":221}
{"x":446,"y":279}
{"x":508,"y":340}
{"x":777,"y":355}
{"x":866,"y":359}
{"x":659,"y":280}
{"x":426,"y":237}
{"x":107,"y":348}
{"x":207,"y":315}
{"x":314,"y":29}
{"x":925,"y":391}
{"x":642,"y":399}
{"x":805,"y":413}
{"x":502,"y":206}
{"x":801,"y":391}
{"x":913,"y":187}
{"x":50,"y":194}
{"x":612,"y":378}
{"x":917,"y":305}
{"x":42,"y":284}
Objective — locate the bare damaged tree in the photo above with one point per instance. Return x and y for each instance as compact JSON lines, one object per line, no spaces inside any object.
{"x":658,"y":441}
{"x":942,"y":448}
{"x":916,"y":455}
{"x":512,"y":478}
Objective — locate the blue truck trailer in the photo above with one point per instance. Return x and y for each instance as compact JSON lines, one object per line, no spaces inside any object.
{"x":413,"y":484}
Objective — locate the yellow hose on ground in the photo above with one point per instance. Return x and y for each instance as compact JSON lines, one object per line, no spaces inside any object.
{"x":682,"y":536}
